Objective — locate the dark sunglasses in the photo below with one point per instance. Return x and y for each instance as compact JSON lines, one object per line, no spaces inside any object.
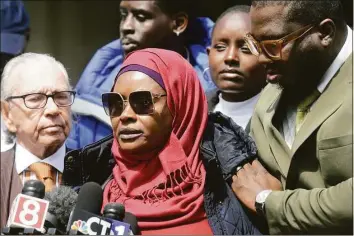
{"x":142,"y":103}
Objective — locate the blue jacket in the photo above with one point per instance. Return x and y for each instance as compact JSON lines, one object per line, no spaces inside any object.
{"x":90,"y":121}
{"x":15,"y":25}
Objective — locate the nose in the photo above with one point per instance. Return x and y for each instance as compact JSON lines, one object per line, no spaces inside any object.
{"x":128,"y":114}
{"x":127,"y":25}
{"x":51,"y":108}
{"x":232,"y":56}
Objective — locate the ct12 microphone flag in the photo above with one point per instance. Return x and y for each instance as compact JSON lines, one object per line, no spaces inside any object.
{"x":86,"y":219}
{"x":91,"y":224}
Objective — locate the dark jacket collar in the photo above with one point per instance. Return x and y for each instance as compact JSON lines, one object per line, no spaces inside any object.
{"x":94,"y":162}
{"x":213,"y":99}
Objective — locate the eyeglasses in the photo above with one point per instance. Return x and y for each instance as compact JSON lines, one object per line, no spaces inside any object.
{"x":39,"y":100}
{"x":273,"y":48}
{"x":142,"y":102}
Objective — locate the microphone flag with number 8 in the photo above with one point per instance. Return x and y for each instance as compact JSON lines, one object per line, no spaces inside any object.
{"x":28,"y":212}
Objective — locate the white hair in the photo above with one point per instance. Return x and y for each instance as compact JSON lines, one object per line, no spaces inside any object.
{"x":27,"y":60}
{"x":9,"y":81}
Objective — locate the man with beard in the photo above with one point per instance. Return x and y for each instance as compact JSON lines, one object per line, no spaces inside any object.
{"x":302,"y":124}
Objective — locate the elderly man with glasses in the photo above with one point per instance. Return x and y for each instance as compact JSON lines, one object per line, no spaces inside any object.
{"x":302,"y":124}
{"x":35,"y":103}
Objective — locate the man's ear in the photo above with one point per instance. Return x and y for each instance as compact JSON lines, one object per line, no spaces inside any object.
{"x":7,"y":117}
{"x":180,"y":23}
{"x":208,"y":50}
{"x":327,"y":30}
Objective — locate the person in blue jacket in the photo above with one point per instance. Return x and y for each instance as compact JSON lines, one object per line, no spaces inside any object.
{"x":144,"y":24}
{"x":15,"y":29}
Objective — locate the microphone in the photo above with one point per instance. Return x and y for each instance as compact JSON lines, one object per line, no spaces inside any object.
{"x":133,"y":221}
{"x":115,"y":212}
{"x":28,"y":210}
{"x":61,"y":202}
{"x":86,"y":219}
{"x":34,"y":188}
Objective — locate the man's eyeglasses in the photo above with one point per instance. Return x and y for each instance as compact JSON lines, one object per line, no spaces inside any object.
{"x":39,"y":100}
{"x":142,"y":102}
{"x":273,"y":48}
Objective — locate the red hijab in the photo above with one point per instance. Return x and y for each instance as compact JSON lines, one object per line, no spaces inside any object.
{"x":166,"y":190}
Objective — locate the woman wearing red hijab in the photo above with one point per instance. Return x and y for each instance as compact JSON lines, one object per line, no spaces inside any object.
{"x":158,"y":174}
{"x":152,"y":163}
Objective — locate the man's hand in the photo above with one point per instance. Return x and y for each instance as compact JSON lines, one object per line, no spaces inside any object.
{"x":250,"y":180}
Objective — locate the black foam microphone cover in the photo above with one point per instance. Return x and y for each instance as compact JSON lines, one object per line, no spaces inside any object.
{"x":115,"y":211}
{"x":34,"y":188}
{"x":62,"y":200}
{"x":90,"y":198}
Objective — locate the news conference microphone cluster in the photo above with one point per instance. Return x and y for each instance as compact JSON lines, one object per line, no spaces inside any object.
{"x":64,"y":212}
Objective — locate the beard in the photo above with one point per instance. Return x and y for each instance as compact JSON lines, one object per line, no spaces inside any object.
{"x":303,"y":75}
{"x":304,"y":84}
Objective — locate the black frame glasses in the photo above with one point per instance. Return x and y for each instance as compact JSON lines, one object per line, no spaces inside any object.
{"x":39,"y":100}
{"x":142,"y":102}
